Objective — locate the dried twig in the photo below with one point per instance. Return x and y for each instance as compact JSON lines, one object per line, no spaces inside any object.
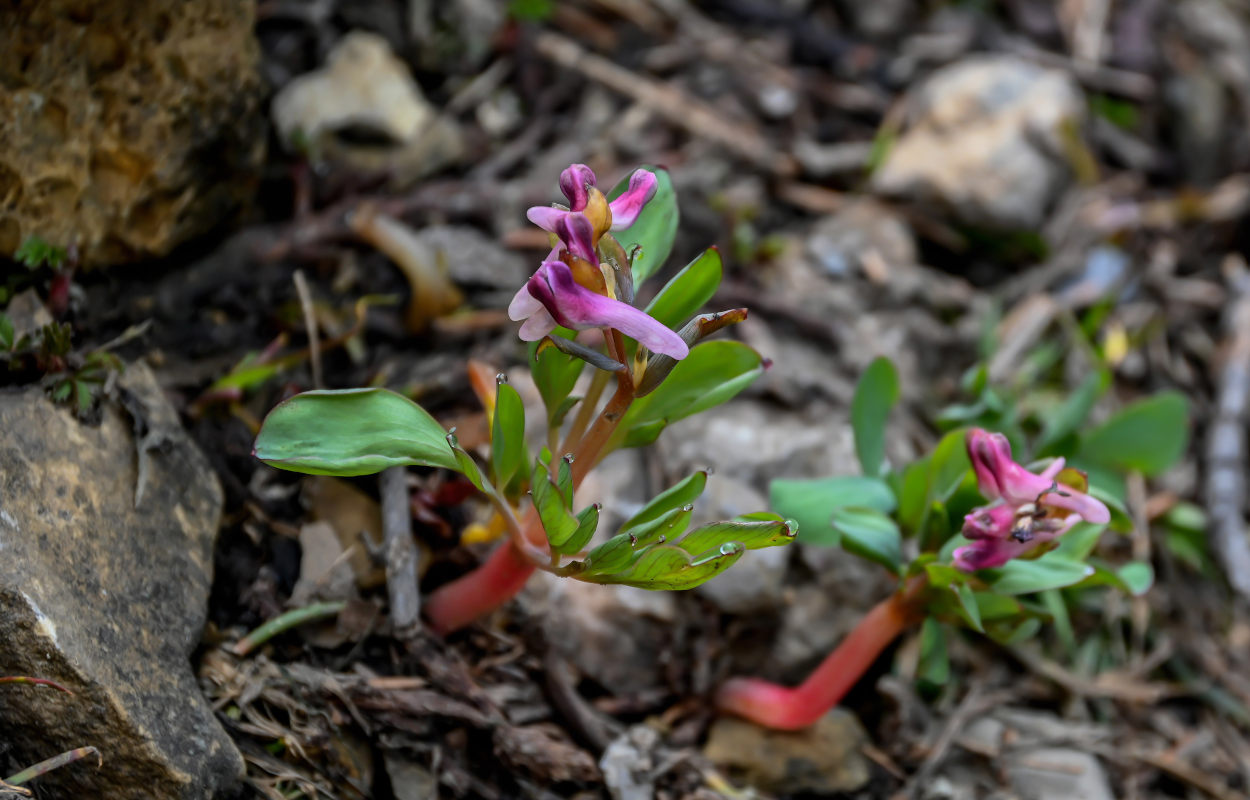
{"x":310,"y":326}
{"x":401,"y":553}
{"x":1225,"y":486}
{"x":676,"y":106}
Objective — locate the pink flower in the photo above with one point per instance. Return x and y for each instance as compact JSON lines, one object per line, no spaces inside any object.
{"x":578,"y":183}
{"x":1028,"y":509}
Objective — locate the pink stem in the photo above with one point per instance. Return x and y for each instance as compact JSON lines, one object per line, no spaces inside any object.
{"x":496,"y":581}
{"x":784,"y":708}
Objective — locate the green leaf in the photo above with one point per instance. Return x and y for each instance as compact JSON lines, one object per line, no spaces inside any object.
{"x":870,"y":534}
{"x":713,"y":373}
{"x":655,"y":230}
{"x":679,"y":494}
{"x":875,"y":394}
{"x":1068,"y":418}
{"x":1051,"y":571}
{"x":935,"y":666}
{"x":1148,"y":436}
{"x":948,"y":466}
{"x":557,"y":520}
{"x":610,"y":557}
{"x":507,"y":437}
{"x":970,"y":607}
{"x":467,"y":466}
{"x":664,"y":528}
{"x":811,"y":503}
{"x":685,"y":294}
{"x":587,"y":523}
{"x":751,"y":534}
{"x":351,"y":432}
{"x":913,"y":495}
{"x":6,"y":331}
{"x":555,"y":373}
{"x":1134,"y":578}
{"x":672,"y":568}
{"x":1078,"y":543}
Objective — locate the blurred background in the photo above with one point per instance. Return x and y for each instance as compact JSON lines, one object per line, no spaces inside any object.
{"x":1036,"y":208}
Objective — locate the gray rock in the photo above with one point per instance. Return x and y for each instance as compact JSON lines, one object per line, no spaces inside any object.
{"x":822,"y":759}
{"x":475,"y":259}
{"x":1057,"y":773}
{"x":985,"y":138}
{"x":628,"y":764}
{"x":106,"y":598}
{"x":840,"y":242}
{"x":614,"y":635}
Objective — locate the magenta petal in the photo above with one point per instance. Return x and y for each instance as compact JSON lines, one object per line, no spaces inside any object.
{"x":578,"y":235}
{"x":987,"y":553}
{"x":1079,"y":503}
{"x":578,"y":307}
{"x":573,"y":182}
{"x":546,"y":217}
{"x":627,"y":207}
{"x":989,"y":522}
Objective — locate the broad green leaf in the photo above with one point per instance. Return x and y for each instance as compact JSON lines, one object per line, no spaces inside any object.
{"x":1078,"y":543}
{"x":1060,"y":620}
{"x":752,"y":535}
{"x":870,"y":534}
{"x":1068,"y":418}
{"x":811,"y":503}
{"x":672,"y":568}
{"x":655,"y":230}
{"x":713,"y":373}
{"x":970,"y":607}
{"x":683,"y":296}
{"x":913,"y":495}
{"x":587,"y":523}
{"x":948,"y":466}
{"x":875,"y":394}
{"x":1051,"y":571}
{"x":467,"y":466}
{"x":935,"y":666}
{"x":6,"y":331}
{"x":944,"y":576}
{"x":1134,"y":578}
{"x":555,"y":374}
{"x":1148,"y":436}
{"x":351,"y":432}
{"x":507,"y":437}
{"x":993,"y":606}
{"x":679,"y":494}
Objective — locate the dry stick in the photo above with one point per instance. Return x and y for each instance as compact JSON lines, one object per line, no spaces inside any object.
{"x":310,"y":326}
{"x":676,"y":106}
{"x":402,"y":588}
{"x":1226,"y":439}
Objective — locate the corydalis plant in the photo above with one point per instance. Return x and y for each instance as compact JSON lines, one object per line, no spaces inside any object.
{"x":993,"y":541}
{"x":654,"y":358}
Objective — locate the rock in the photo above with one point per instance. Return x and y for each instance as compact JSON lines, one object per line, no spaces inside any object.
{"x":881,"y":18}
{"x":614,"y":635}
{"x":365,"y":90}
{"x":323,"y":572}
{"x":986,"y":139}
{"x":475,"y":259}
{"x":147,"y":135}
{"x":410,"y":781}
{"x":628,"y":764}
{"x":822,"y":759}
{"x":107,"y":599}
{"x":839,"y":243}
{"x":1057,"y":773}
{"x":758,"y":581}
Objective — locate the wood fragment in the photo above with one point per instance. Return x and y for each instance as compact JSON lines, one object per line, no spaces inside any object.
{"x":402,"y":587}
{"x":310,"y":327}
{"x":1225,"y":451}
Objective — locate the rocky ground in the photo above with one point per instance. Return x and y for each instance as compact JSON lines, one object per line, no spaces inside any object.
{"x":1032,"y":186}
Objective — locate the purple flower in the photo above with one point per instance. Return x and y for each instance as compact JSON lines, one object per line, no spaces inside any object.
{"x":585,"y":200}
{"x":1027,"y":510}
{"x":552,"y":297}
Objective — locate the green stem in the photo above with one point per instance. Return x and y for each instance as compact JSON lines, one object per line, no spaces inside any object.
{"x":286,"y":621}
{"x":44,"y":767}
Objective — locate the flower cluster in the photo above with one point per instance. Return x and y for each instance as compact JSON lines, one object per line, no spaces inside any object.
{"x":1027,"y":510}
{"x":573,"y":287}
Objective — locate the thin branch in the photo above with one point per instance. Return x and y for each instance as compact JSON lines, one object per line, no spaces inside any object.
{"x":402,"y":587}
{"x":310,"y":326}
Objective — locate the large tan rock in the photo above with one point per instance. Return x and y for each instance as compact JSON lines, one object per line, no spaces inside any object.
{"x":107,"y":594}
{"x":126,"y":126}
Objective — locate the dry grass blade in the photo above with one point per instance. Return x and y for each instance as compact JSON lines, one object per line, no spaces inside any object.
{"x":44,"y":767}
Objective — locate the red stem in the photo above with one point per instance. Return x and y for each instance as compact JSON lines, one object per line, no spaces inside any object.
{"x":496,"y":581}
{"x":785,"y":708}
